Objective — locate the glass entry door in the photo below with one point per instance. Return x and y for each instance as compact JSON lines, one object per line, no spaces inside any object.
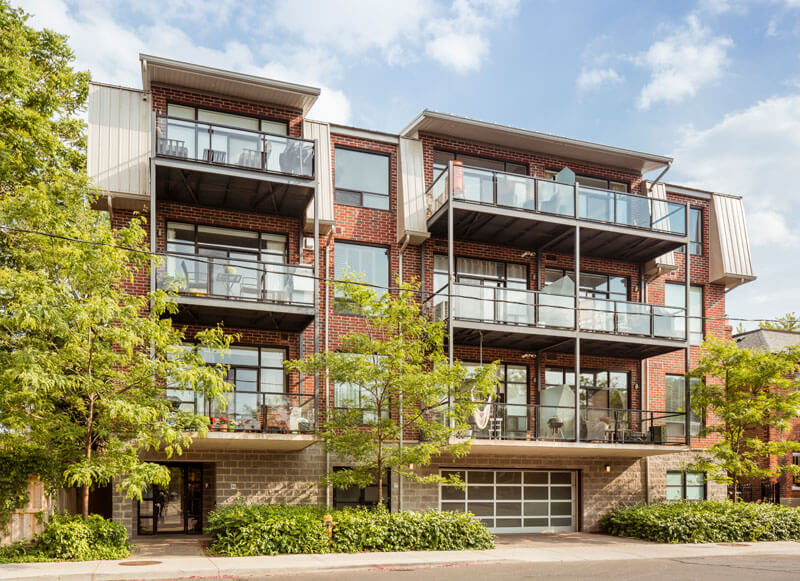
{"x":177,"y":507}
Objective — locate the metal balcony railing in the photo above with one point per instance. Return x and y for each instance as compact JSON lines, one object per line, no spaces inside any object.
{"x":494,"y":188}
{"x":507,"y":421}
{"x":237,"y":279}
{"x":256,"y":412}
{"x":230,"y":146}
{"x":520,"y":307}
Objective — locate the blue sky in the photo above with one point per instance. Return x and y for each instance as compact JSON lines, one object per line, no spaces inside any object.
{"x":714,"y":83}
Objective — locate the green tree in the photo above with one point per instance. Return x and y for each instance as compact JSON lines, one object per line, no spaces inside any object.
{"x":83,"y":362}
{"x":396,"y":378}
{"x":787,"y":322}
{"x":741,"y":391}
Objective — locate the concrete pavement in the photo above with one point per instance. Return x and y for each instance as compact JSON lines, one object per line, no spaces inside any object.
{"x":183,"y":561}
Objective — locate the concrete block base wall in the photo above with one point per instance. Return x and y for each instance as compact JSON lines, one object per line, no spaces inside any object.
{"x":291,"y":477}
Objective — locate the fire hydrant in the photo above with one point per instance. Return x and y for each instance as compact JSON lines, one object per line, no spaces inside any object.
{"x":329,"y":524}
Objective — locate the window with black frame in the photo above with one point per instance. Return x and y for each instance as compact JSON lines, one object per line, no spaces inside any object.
{"x":685,"y":485}
{"x":361,"y":178}
{"x":241,"y":264}
{"x":509,"y":417}
{"x":352,"y":396}
{"x":675,"y":296}
{"x":259,"y":400}
{"x":354,"y":496}
{"x":695,"y":232}
{"x":368,"y":263}
{"x":675,"y":399}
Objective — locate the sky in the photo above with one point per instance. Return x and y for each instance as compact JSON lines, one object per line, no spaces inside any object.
{"x":713,"y":83}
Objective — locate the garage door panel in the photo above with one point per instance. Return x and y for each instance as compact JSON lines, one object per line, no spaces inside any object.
{"x":515,"y":500}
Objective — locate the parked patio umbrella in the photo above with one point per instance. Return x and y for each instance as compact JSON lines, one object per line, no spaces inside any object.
{"x":557,"y":403}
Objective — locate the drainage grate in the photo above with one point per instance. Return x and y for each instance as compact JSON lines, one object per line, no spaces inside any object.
{"x":139,"y":563}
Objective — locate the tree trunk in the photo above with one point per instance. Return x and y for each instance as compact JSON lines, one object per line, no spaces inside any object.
{"x":88,"y":452}
{"x":85,"y":501}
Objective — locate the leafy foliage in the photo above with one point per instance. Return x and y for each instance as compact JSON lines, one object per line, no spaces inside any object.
{"x":70,"y":538}
{"x":249,"y":530}
{"x":787,"y":322}
{"x":83,"y":362}
{"x":395,"y":361}
{"x":704,"y":522}
{"x":741,"y":390}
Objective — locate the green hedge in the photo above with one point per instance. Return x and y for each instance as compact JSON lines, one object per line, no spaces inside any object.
{"x":248,"y":530}
{"x":69,"y":538}
{"x":704,"y":522}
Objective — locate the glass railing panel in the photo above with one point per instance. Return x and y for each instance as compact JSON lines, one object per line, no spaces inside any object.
{"x":632,"y":210}
{"x":555,"y":198}
{"x":610,"y":425}
{"x":235,"y":147}
{"x":473,"y":185}
{"x":669,"y":322}
{"x":633,"y":318}
{"x":289,"y":156}
{"x":234,"y":278}
{"x":556,"y":311}
{"x":594,"y":204}
{"x":438,"y":191}
{"x":555,"y":422}
{"x":515,"y":306}
{"x":474,"y":302}
{"x":516,"y":191}
{"x":669,"y":217}
{"x":596,"y":315}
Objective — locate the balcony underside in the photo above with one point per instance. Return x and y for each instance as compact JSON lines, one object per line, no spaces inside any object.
{"x":232,"y":188}
{"x":243,"y":314}
{"x":253,"y":441}
{"x":539,"y":232}
{"x":560,"y":341}
{"x":569,"y":449}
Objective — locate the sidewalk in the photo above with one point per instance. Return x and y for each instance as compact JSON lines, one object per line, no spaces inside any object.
{"x":510,"y":548}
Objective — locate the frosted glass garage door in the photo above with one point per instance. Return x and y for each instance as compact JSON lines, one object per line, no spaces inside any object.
{"x":515,"y":500}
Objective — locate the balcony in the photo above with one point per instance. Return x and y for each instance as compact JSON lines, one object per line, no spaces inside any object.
{"x":539,"y":428}
{"x":534,"y":320}
{"x":239,"y":293}
{"x":537,"y":214}
{"x":254,"y":420}
{"x":215,"y":165}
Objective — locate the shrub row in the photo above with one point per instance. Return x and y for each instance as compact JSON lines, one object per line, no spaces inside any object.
{"x":70,"y":538}
{"x":705,"y":522}
{"x":247,"y":530}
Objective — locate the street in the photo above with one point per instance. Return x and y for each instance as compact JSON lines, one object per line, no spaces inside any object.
{"x":701,"y":568}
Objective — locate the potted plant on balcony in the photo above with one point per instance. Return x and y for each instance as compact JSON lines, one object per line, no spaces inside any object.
{"x":232,"y":425}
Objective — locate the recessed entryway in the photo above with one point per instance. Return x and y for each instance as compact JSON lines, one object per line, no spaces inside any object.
{"x":516,"y":500}
{"x":176,"y":508}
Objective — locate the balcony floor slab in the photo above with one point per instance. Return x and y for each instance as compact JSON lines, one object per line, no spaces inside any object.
{"x":253,"y":441}
{"x":569,"y":449}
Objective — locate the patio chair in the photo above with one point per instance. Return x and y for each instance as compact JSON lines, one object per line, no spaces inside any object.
{"x":214,"y":155}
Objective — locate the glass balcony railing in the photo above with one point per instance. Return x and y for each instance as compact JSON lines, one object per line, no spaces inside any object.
{"x":222,"y":145}
{"x":530,"y":194}
{"x":542,"y":309}
{"x":237,"y":279}
{"x":251,"y":411}
{"x":508,"y":421}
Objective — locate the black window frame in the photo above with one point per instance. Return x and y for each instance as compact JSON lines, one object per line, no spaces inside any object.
{"x":701,"y":317}
{"x":697,"y":247}
{"x":505,"y":163}
{"x":387,"y":497}
{"x":566,"y":271}
{"x":196,"y":244}
{"x":594,"y":371}
{"x":339,"y":305}
{"x":360,"y":193}
{"x":701,"y":420}
{"x":505,"y":264}
{"x":796,"y":477}
{"x":234,"y":113}
{"x":684,"y":486}
{"x":627,"y":184}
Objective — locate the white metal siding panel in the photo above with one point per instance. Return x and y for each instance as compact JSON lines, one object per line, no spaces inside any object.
{"x":411,"y":189}
{"x":118,"y":139}
{"x":730,"y":261}
{"x":665,"y":261}
{"x":322,"y":133}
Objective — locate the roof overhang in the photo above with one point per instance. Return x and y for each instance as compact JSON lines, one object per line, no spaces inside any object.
{"x":159,"y":70}
{"x":523,"y":139}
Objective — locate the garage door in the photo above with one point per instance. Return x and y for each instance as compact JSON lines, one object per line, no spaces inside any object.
{"x":509,"y":501}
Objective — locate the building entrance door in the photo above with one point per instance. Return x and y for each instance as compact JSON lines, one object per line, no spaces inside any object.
{"x":177,"y":507}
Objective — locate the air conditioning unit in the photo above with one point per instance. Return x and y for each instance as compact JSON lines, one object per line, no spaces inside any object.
{"x":658,"y":434}
{"x":440,"y":311}
{"x":308,"y":243}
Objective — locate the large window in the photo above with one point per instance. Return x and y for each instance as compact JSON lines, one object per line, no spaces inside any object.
{"x":676,"y":402}
{"x":675,"y":296}
{"x":511,"y":417}
{"x":592,"y":182}
{"x":602,"y":389}
{"x":259,"y":383}
{"x":370,"y":263}
{"x":227,"y":119}
{"x":695,"y":232}
{"x":347,"y":396}
{"x":796,"y":477}
{"x":362,"y":178}
{"x":368,"y":497}
{"x":207,"y":260}
{"x":686,"y":485}
{"x":596,"y":286}
{"x":442,"y":158}
{"x":480,"y":272}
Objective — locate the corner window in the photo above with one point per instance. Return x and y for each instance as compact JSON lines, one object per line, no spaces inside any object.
{"x":675,"y":400}
{"x":362,"y":178}
{"x":675,"y":296}
{"x":686,"y":485}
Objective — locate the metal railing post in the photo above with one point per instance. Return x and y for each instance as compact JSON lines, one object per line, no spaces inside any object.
{"x":687,"y":350}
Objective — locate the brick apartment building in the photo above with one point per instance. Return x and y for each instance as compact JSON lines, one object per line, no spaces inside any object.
{"x":257,"y":206}
{"x":785,"y":489}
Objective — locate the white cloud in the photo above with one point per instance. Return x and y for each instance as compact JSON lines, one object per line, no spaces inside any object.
{"x":461,"y":52}
{"x":681,"y":63}
{"x":755,"y":153}
{"x":593,"y":78}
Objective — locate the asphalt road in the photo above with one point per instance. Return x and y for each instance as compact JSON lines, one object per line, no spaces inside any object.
{"x":701,"y":568}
